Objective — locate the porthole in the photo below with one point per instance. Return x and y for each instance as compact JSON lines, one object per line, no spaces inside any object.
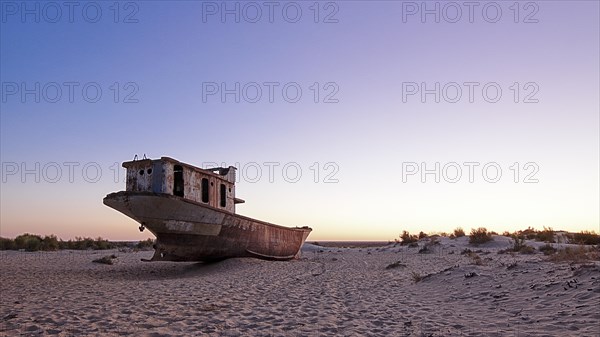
{"x":149,"y":171}
{"x":141,"y":172}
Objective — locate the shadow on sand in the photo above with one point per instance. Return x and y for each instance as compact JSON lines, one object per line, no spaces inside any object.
{"x":147,"y":271}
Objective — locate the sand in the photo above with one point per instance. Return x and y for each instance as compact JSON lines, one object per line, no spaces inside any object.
{"x":328,"y":292}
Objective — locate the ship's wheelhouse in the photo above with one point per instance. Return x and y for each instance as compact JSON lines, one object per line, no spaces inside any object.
{"x":214,"y":187}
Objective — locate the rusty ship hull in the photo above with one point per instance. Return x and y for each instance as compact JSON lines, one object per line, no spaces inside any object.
{"x":187,"y":230}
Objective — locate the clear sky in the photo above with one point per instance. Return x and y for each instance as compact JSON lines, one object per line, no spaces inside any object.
{"x":343,"y":92}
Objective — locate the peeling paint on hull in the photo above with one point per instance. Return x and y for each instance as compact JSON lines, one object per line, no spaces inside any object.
{"x":186,"y":230}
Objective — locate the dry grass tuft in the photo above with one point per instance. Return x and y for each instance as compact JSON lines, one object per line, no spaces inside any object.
{"x":512,"y":265}
{"x":416,"y":277}
{"x":476,"y":259}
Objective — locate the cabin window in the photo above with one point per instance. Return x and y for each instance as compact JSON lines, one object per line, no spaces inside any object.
{"x":178,"y":180}
{"x":223,"y":195}
{"x":204,"y":190}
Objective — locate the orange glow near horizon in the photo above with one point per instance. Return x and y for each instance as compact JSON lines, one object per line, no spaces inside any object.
{"x":114,"y":226}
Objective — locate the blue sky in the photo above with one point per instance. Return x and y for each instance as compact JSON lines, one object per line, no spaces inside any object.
{"x":161,"y":57}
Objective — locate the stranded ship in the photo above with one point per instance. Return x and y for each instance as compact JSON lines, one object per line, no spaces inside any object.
{"x":191,"y":211}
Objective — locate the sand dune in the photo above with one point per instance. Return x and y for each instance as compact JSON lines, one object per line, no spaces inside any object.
{"x":328,"y":292}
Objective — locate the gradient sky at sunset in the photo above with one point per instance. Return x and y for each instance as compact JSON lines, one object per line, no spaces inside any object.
{"x":353,"y":132}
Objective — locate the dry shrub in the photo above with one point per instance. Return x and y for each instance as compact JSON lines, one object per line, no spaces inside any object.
{"x":149,"y":243}
{"x":7,"y":244}
{"x":519,"y":245}
{"x":586,"y":238}
{"x":519,"y":242}
{"x":458,"y":232}
{"x":479,"y":236}
{"x":28,"y":242}
{"x":530,"y":233}
{"x":546,"y":235}
{"x":527,"y":250}
{"x":576,"y":254}
{"x":407,"y":238}
{"x":50,"y":242}
{"x":547,"y":249}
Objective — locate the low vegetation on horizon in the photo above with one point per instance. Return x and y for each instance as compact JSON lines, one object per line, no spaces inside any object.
{"x":33,"y":242}
{"x":587,"y":249}
{"x":482,"y":235}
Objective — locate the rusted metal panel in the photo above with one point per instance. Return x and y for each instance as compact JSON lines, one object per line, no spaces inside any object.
{"x":139,"y":176}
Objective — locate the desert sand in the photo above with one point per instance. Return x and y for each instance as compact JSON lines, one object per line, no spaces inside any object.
{"x":328,"y":292}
